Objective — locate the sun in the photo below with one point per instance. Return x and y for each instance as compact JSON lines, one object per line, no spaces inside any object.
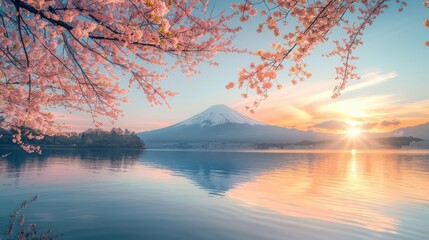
{"x":353,"y":132}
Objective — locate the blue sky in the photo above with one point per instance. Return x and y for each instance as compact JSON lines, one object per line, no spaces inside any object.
{"x":394,"y":85}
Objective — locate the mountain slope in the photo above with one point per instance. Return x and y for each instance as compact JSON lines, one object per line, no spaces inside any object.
{"x":221,"y":124}
{"x":419,"y":131}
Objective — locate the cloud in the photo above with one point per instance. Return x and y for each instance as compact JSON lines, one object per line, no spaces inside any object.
{"x":307,"y":105}
{"x":391,"y":123}
{"x":368,"y":125}
{"x":331,"y":126}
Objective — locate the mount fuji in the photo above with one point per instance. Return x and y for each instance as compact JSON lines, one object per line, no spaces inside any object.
{"x":221,"y":124}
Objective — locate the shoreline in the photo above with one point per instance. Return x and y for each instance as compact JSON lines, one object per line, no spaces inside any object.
{"x":16,"y":147}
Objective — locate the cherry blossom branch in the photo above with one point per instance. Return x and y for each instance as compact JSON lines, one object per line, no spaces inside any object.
{"x":311,"y":24}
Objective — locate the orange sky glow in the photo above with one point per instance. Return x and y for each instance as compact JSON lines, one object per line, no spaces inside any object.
{"x":371,"y":113}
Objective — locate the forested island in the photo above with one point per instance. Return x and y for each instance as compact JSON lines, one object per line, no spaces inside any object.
{"x":91,"y":138}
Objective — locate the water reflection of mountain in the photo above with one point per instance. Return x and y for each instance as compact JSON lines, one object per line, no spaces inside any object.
{"x":348,"y":188}
{"x":218,"y":172}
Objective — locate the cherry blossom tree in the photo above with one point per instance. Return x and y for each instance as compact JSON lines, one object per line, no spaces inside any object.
{"x":71,"y":53}
{"x":74,"y":53}
{"x":302,"y":25}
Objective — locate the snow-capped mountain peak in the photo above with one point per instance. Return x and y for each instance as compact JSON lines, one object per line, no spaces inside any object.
{"x":222,"y":125}
{"x":216,"y":115}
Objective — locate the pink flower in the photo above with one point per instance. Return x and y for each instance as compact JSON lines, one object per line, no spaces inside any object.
{"x":230,"y":85}
{"x":267,"y":85}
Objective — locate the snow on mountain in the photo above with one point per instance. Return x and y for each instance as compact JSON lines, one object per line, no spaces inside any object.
{"x":216,"y":115}
{"x":223,"y":125}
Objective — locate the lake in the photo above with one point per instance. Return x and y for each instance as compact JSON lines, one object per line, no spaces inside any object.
{"x":89,"y":194}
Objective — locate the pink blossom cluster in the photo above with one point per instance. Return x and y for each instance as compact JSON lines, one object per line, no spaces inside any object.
{"x":300,"y":26}
{"x":426,"y":22}
{"x":74,"y":53}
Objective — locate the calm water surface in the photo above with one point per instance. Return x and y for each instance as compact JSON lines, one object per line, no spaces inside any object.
{"x":221,"y":195}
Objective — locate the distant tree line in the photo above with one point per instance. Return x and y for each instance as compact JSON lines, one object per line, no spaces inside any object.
{"x":91,"y":138}
{"x":397,"y":141}
{"x":389,"y":142}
